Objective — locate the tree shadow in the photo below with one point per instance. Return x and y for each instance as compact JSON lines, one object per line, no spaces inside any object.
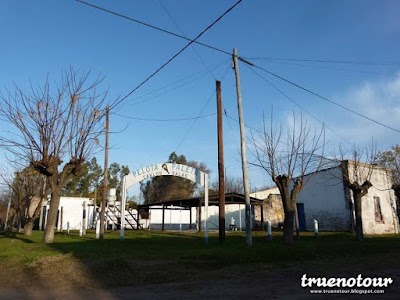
{"x":143,"y":259}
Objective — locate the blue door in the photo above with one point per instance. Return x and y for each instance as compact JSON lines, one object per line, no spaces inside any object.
{"x":301,"y":216}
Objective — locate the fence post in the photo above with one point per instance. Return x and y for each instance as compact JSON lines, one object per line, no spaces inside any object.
{"x":97,"y":229}
{"x":84,"y":222}
{"x":269,"y":231}
{"x":316,"y":228}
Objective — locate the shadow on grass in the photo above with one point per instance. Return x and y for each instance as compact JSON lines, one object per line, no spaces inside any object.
{"x":145,"y":257}
{"x":18,"y":236}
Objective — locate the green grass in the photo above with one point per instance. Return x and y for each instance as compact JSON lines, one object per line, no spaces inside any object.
{"x":153,"y":256}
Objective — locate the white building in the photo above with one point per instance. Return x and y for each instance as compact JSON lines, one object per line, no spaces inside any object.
{"x":326,"y":199}
{"x":70,"y":213}
{"x":169,"y":215}
{"x":186,"y":213}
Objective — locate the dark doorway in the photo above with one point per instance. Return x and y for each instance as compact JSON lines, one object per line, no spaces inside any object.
{"x":301,"y":216}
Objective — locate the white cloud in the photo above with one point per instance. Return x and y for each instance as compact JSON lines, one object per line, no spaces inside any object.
{"x":379,"y":101}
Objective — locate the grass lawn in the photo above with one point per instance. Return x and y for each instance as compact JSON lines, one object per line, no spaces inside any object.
{"x":152,"y":257}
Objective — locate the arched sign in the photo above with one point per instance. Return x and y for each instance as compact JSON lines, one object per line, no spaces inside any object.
{"x":165,"y":169}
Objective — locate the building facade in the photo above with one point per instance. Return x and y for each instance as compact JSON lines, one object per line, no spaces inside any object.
{"x":326,"y":198}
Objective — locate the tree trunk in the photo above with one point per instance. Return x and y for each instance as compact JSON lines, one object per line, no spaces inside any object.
{"x":52,"y":216}
{"x":358,"y":212}
{"x":289,"y":206}
{"x":296,"y":221}
{"x":396,"y":189}
{"x":28,"y":227}
{"x":288,"y":227}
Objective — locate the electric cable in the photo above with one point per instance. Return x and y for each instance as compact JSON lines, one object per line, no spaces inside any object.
{"x":174,"y":88}
{"x":166,"y":120}
{"x":181,"y":31}
{"x":319,"y":96}
{"x":298,"y":105}
{"x":354,"y":62}
{"x":174,"y":56}
{"x":201,"y":112}
{"x":155,"y":27}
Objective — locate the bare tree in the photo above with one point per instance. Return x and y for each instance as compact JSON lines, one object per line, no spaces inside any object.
{"x":232,"y":185}
{"x":28,"y":189}
{"x":4,"y":211}
{"x":357,"y":169}
{"x":55,"y":127}
{"x":287,"y":159}
{"x":390,"y":159}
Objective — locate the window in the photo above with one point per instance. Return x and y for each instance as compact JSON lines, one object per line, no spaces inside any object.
{"x":378,"y":210}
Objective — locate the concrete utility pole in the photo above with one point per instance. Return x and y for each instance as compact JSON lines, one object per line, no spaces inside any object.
{"x":105,"y":187}
{"x":243,"y":150}
{"x":8,"y":211}
{"x":221,"y":168}
{"x":94,"y":208}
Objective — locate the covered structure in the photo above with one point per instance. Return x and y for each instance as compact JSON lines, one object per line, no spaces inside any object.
{"x":193,"y":209}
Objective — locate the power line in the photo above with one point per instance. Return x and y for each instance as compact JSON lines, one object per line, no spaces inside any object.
{"x":308,"y":65}
{"x":246,"y":61}
{"x":155,"y":27}
{"x":201,"y":112}
{"x":181,"y":31}
{"x":166,"y":120}
{"x":354,"y":62}
{"x":298,"y":105}
{"x":176,"y":55}
{"x":319,"y":96}
{"x":174,"y":88}
{"x":248,"y":126}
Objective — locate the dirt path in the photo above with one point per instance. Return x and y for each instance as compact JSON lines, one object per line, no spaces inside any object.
{"x":230,"y":283}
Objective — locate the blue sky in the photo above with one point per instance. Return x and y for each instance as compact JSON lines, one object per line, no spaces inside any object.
{"x":41,"y":38}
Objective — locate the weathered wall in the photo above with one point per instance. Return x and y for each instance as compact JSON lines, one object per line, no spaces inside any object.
{"x":381,"y":187}
{"x":273,"y":208}
{"x":272,"y":211}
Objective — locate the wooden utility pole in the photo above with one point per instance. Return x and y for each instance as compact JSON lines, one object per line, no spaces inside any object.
{"x":221,"y":166}
{"x":105,"y":186}
{"x":243,"y":150}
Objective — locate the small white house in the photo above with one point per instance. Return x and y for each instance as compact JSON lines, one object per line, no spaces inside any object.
{"x":325,"y":198}
{"x":70,"y":213}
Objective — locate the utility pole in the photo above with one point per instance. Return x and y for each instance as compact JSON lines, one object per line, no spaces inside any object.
{"x":95,"y":208}
{"x":221,"y":175}
{"x":105,"y":186}
{"x":243,"y":150}
{"x":8,"y":211}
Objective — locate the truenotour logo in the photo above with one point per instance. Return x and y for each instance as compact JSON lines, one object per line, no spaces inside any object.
{"x":359,"y":281}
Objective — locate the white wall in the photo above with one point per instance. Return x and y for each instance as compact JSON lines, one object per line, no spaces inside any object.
{"x":73,"y":212}
{"x":173,"y":219}
{"x":324,"y":200}
{"x":265,"y":193}
{"x":237,"y":211}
